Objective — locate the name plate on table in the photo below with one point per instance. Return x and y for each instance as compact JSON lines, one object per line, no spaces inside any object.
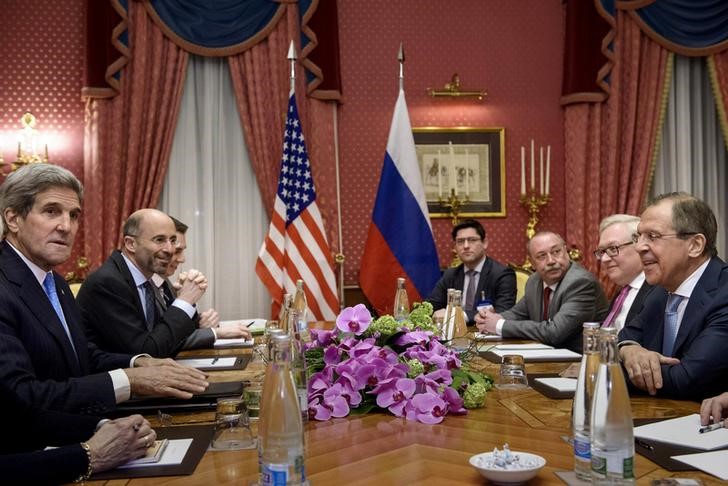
{"x":210,"y":363}
{"x":203,"y":401}
{"x":552,"y":385}
{"x":532,"y":353}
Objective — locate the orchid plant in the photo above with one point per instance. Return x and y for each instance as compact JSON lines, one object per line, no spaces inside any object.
{"x":401,"y":367}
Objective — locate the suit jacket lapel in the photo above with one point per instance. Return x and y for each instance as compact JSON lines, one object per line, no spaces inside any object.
{"x":698,"y":303}
{"x":123,"y":270}
{"x":35,"y":299}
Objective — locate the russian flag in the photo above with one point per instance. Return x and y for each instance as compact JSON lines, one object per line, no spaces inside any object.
{"x":400,"y":241}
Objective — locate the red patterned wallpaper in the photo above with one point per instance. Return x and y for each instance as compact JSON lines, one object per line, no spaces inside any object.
{"x":513,"y":49}
{"x":42,"y":50}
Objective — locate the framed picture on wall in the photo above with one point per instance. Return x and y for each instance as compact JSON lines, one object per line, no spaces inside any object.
{"x":466,"y":163}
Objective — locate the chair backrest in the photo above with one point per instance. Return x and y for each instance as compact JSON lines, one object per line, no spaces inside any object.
{"x":521,"y":278}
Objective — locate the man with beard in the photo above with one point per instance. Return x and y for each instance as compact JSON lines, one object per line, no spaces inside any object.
{"x":118,"y":304}
{"x":478,"y":275}
{"x":560,"y":296}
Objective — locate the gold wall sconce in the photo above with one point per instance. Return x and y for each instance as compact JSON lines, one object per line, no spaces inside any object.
{"x":28,"y":145}
{"x":454,"y":90}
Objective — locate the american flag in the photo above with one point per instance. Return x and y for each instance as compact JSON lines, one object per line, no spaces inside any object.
{"x":296,"y":246}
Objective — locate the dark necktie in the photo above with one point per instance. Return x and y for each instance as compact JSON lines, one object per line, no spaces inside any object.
{"x":49,"y":286}
{"x":470,"y":291}
{"x":149,"y":304}
{"x":546,"y":301}
{"x":668,"y":340}
{"x":617,"y":306}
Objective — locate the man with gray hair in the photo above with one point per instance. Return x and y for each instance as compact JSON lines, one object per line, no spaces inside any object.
{"x":44,"y":355}
{"x":676,"y":346}
{"x":617,"y":255}
{"x":560,"y":296}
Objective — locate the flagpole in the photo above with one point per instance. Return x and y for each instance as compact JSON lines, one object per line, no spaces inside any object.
{"x":400,"y":58}
{"x":292,"y":58}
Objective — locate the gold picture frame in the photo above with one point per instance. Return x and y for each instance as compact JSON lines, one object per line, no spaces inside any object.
{"x":467,"y":161}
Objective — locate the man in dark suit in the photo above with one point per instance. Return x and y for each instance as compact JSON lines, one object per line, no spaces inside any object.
{"x":28,"y":430}
{"x":477,"y":276}
{"x":118,"y":303}
{"x":44,"y":355}
{"x":560,"y":296}
{"x":676,"y":347}
{"x":617,"y":255}
{"x":209,"y":322}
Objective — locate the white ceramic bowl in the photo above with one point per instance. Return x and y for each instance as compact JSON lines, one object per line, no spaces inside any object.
{"x":504,"y":476}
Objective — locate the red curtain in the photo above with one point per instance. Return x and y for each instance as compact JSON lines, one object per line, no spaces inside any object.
{"x":718,"y":64}
{"x":610,"y":147}
{"x":129,"y":137}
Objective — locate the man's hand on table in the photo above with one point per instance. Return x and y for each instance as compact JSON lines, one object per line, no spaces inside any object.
{"x":643,"y":367}
{"x":486,"y":320}
{"x":165,"y":377}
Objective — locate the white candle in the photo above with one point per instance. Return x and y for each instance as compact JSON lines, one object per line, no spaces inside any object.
{"x":453,"y":174}
{"x":467,"y":173}
{"x":523,"y":170}
{"x":540,"y":157}
{"x":533,"y":169}
{"x":439,"y":174}
{"x":548,"y":167}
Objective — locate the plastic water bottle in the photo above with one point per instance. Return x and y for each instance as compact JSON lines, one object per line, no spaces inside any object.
{"x":298,"y":367}
{"x":280,"y":430}
{"x":612,"y":435}
{"x":300,"y":306}
{"x":581,"y":408}
{"x":456,"y":327}
{"x":401,"y":302}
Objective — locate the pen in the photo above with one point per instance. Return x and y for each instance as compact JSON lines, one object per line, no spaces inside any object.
{"x":712,"y":427}
{"x":250,"y":324}
{"x":214,"y":361}
{"x":644,"y":444}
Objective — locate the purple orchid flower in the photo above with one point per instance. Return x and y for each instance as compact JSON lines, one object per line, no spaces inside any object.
{"x":427,"y":408}
{"x":394,"y":395}
{"x":332,"y":404}
{"x":354,"y":319}
{"x":454,"y":401}
{"x":414,"y":337}
{"x":321,"y":338}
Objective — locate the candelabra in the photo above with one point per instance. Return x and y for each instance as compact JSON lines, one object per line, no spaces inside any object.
{"x":454,"y":205}
{"x":533,"y":203}
{"x":27,"y":153}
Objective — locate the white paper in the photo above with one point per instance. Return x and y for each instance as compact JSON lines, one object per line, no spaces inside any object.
{"x":684,"y":431}
{"x":253,"y":325}
{"x":487,"y":337}
{"x":208,"y":362}
{"x":233,"y":343}
{"x":173,"y":454}
{"x":524,"y":346}
{"x":710,"y":462}
{"x":537,"y":354}
{"x":560,"y":384}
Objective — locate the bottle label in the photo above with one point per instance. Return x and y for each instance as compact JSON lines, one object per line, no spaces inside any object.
{"x":274,"y":474}
{"x":582,"y":447}
{"x":615,"y":464}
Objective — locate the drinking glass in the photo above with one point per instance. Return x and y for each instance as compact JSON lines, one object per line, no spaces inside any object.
{"x":232,"y":426}
{"x":513,"y":372}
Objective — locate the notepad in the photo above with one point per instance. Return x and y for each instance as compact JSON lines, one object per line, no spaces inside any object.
{"x":209,"y":363}
{"x":560,"y":384}
{"x":683,"y":431}
{"x":519,"y":347}
{"x":479,"y":336}
{"x":172,"y":454}
{"x":710,"y":462}
{"x":538,"y":354}
{"x":234,"y":343}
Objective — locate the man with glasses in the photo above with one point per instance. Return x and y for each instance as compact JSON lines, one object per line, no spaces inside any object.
{"x":676,"y":346}
{"x":560,"y":296}
{"x":617,"y":255}
{"x":118,"y":301}
{"x":479,"y":276}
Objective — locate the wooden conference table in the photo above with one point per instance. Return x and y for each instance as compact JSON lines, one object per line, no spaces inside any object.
{"x":381,"y":449}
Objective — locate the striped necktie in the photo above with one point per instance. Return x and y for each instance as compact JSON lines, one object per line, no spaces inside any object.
{"x":671,"y":324}
{"x":617,"y":306}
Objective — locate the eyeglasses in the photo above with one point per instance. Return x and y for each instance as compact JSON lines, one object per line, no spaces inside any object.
{"x":555,"y":253}
{"x":161,"y":240}
{"x":610,"y":251}
{"x":471,"y":241}
{"x":651,"y":236}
